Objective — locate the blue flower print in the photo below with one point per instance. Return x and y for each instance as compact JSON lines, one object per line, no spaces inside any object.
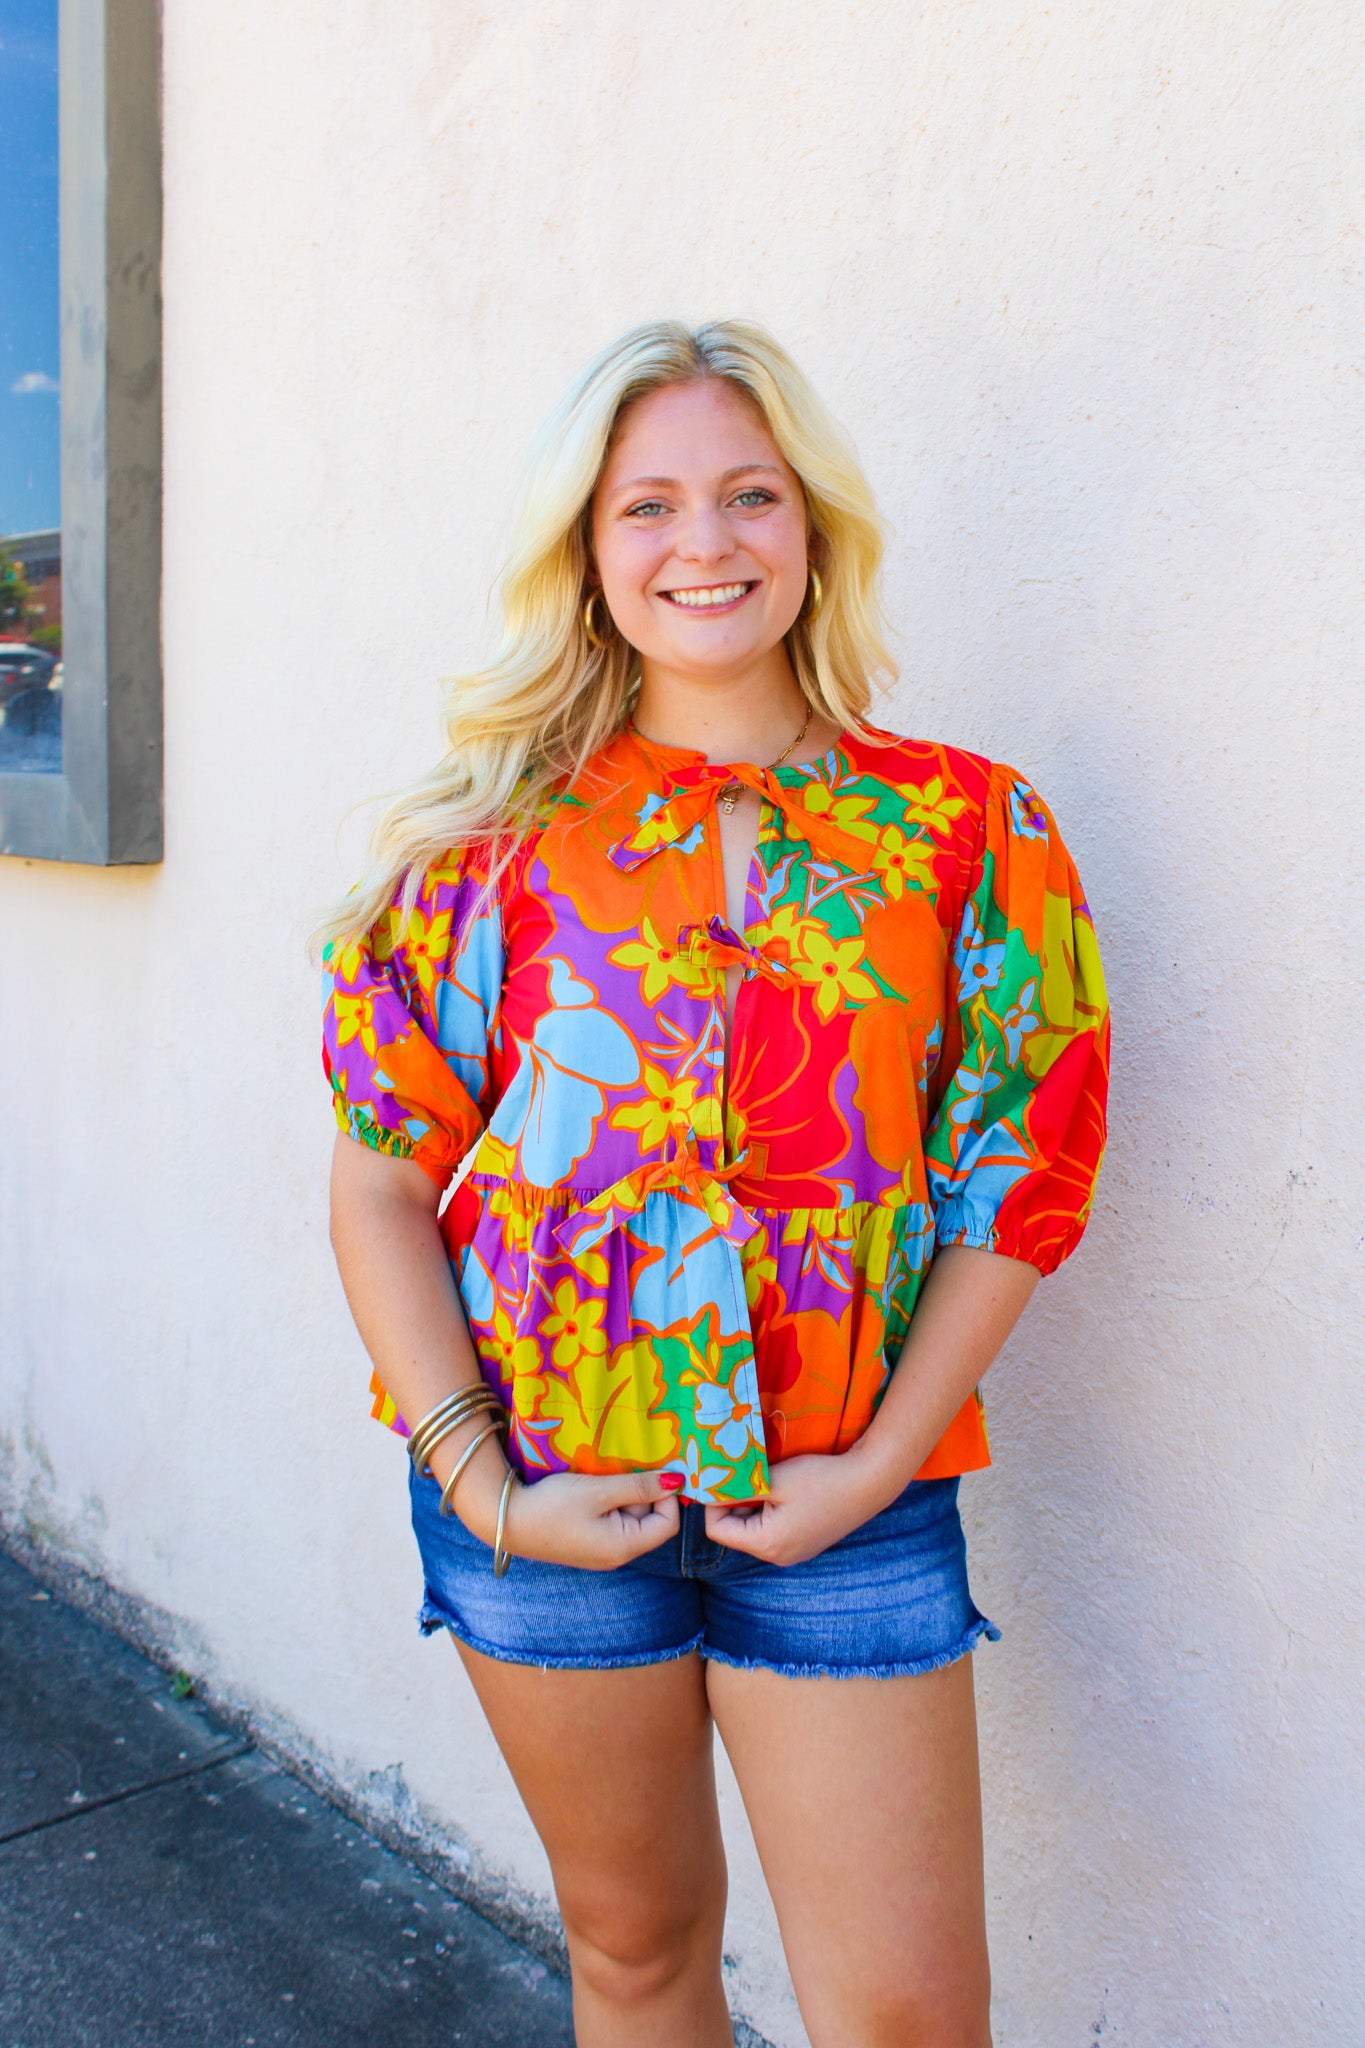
{"x":731,"y":1414}
{"x":1020,"y":1020}
{"x":699,"y":1480}
{"x":555,"y":1097}
{"x":466,"y":1000}
{"x":976,"y":1084}
{"x":979,"y":963}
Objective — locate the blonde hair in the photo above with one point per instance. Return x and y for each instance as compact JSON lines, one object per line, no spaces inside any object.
{"x":549,"y":699}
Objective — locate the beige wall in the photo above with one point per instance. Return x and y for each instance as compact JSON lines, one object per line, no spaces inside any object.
{"x":1083,"y":281}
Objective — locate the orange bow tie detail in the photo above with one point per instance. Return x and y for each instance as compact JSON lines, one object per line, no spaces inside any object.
{"x":681,"y":1173}
{"x":695,"y":792}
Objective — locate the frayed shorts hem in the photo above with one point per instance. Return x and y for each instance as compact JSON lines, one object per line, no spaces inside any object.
{"x":433,"y":1617}
{"x":914,"y":1668}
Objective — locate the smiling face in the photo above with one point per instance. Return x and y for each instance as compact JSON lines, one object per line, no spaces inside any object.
{"x":699,"y":534}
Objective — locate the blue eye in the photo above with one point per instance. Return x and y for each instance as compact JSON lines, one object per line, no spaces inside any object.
{"x":647,"y":505}
{"x":755,"y":495}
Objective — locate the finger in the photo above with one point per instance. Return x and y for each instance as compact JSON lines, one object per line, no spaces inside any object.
{"x":736,"y":1531}
{"x":636,"y":1529}
{"x":733,"y":1510}
{"x":632,"y":1490}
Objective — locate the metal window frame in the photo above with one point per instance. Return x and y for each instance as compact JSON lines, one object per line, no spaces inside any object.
{"x":106,"y":805}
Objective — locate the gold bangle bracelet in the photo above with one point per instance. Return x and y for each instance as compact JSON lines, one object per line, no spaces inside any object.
{"x":448,"y":1490}
{"x":437,"y":1431}
{"x":428,"y":1430}
{"x":446,"y":1416}
{"x":454,"y":1422}
{"x":464,"y":1401}
{"x":500,"y":1558}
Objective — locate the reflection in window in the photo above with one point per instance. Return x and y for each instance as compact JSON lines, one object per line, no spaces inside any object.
{"x":30,"y":415}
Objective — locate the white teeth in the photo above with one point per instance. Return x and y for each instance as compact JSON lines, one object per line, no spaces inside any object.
{"x":701,"y":600}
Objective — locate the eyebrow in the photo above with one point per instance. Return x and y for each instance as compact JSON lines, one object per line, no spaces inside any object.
{"x":637,"y":483}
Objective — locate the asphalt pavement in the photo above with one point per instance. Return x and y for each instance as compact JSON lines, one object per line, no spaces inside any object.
{"x":163,"y":1883}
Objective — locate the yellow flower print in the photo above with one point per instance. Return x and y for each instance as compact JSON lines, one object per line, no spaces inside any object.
{"x":847,"y":812}
{"x":927,"y":805}
{"x":601,"y":1420}
{"x":899,"y":860}
{"x":786,"y":923}
{"x":513,"y":1356}
{"x":668,"y":1108}
{"x":575,"y":1327}
{"x":355,"y":1019}
{"x":760,"y":1267}
{"x":346,"y":964}
{"x":831,"y":967}
{"x":658,"y":962}
{"x":425,"y":943}
{"x":658,"y":829}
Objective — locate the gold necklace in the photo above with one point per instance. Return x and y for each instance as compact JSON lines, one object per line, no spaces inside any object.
{"x":730,"y":791}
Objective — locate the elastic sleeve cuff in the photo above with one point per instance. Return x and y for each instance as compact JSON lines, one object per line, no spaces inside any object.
{"x":952,"y":1227}
{"x":357,"y":1123}
{"x":976,"y":1237}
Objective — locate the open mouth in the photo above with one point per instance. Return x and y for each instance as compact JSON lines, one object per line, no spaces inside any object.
{"x":710,"y":598}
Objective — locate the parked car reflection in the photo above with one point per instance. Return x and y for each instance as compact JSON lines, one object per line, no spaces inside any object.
{"x":30,"y":709}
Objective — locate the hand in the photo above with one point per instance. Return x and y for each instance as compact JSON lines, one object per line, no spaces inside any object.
{"x":572,"y":1517}
{"x":814,"y":1502}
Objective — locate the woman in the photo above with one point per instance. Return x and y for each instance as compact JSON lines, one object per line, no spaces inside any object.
{"x":783,"y":1043}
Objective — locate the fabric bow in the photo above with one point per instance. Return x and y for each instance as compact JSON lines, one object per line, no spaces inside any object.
{"x":695,"y":792}
{"x":716,"y":944}
{"x":681,"y":1173}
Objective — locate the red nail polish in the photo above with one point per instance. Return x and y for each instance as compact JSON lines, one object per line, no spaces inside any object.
{"x":671,"y":1482}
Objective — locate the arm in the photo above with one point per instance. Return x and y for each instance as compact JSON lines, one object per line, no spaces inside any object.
{"x":966,"y":1309}
{"x":394,"y":1268}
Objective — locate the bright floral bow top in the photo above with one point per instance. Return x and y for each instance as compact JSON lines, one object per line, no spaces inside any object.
{"x":658,"y":1273}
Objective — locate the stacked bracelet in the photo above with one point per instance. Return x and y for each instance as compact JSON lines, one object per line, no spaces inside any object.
{"x":501,"y":1560}
{"x":446,"y":1417}
{"x":448,"y":1490}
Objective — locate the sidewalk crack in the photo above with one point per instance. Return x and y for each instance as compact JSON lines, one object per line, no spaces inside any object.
{"x":195,"y":1770}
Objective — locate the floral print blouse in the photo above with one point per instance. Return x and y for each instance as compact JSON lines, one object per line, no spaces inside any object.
{"x":668,"y":1260}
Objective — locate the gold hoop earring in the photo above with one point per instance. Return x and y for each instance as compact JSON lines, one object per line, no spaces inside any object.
{"x":817,"y":598}
{"x":595,"y":639}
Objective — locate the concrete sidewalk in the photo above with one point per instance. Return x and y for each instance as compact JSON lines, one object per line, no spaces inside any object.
{"x":162,"y":1882}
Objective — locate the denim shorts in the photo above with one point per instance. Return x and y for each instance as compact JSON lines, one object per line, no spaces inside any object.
{"x":889,"y":1600}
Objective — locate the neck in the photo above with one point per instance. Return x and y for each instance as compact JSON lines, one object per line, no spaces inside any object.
{"x":741,"y":718}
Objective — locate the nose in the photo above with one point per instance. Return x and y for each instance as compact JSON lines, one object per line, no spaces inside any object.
{"x":705,"y":536}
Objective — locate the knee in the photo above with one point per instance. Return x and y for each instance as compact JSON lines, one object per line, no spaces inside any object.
{"x":946,"y":2017}
{"x":628,"y":1951}
{"x":896,"y":2012}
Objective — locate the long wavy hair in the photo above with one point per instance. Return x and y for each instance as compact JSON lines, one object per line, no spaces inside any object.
{"x":549,"y":699}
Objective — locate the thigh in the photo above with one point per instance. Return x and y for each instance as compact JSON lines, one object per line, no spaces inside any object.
{"x":617,"y":1773}
{"x":865,"y":1802}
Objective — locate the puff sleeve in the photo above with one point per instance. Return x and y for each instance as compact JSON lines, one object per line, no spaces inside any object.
{"x":410,"y":1022}
{"x":1014,"y":1148}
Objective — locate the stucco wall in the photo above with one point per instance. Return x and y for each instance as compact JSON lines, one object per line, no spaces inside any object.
{"x":1083,"y":281}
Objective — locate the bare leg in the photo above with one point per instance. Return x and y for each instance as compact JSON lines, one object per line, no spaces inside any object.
{"x":617,"y":1774}
{"x":865,"y":1803}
